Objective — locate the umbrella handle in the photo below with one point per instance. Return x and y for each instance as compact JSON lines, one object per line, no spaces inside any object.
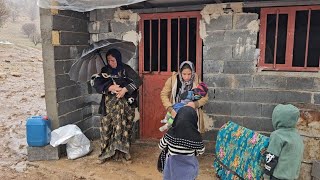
{"x":102,"y":59}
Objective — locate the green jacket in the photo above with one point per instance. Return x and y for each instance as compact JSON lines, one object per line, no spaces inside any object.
{"x":285,"y":142}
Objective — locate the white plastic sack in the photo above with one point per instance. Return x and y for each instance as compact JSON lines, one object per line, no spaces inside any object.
{"x":78,"y":144}
{"x":84,"y":5}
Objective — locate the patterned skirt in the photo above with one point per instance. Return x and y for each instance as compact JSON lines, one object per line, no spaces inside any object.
{"x":116,"y":126}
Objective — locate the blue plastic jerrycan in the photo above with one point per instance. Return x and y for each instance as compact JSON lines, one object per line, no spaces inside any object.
{"x":38,"y":131}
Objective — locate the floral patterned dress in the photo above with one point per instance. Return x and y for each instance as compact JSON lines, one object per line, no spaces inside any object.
{"x":240,"y":153}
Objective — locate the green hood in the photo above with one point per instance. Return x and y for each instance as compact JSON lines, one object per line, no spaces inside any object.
{"x":285,"y":116}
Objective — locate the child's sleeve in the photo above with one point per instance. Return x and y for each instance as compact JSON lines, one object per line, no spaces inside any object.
{"x":200,"y":151}
{"x":272,"y":154}
{"x":163,"y":144}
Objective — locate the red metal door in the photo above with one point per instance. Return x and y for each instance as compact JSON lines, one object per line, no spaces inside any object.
{"x":167,"y":39}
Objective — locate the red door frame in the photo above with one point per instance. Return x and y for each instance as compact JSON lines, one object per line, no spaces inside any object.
{"x":168,"y":16}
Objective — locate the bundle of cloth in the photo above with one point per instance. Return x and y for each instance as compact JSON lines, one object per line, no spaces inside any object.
{"x":240,"y":153}
{"x":102,"y":80}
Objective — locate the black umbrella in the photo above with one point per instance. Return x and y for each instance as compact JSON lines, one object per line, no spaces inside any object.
{"x":93,"y":58}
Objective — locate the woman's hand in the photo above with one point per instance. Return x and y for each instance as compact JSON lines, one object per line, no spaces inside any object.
{"x":191,"y":104}
{"x":114,"y":88}
{"x":122,"y":92}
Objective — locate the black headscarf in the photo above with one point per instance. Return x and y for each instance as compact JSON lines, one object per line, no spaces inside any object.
{"x":117,"y":55}
{"x":185,"y":125}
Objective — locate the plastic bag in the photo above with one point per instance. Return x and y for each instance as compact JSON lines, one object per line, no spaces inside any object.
{"x":78,"y":144}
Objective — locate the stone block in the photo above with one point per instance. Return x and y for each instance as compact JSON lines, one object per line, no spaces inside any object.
{"x":226,"y":94}
{"x":105,"y":14}
{"x":230,"y":81}
{"x":241,"y":20}
{"x":215,"y":38}
{"x":258,"y":124}
{"x":70,"y":105}
{"x":96,"y":121}
{"x":63,"y":67}
{"x":217,"y":53}
{"x":43,"y":153}
{"x":87,"y":112}
{"x":315,"y":172}
{"x":68,"y":92}
{"x":85,"y":124}
{"x":63,"y":81}
{"x":74,"y":24}
{"x":92,"y":133}
{"x":212,"y":66}
{"x":71,"y":117}
{"x":269,"y":82}
{"x":290,"y":96}
{"x":93,"y":15}
{"x":300,"y":83}
{"x":311,"y":149}
{"x":113,"y":35}
{"x":246,"y":109}
{"x":71,"y":38}
{"x":267,"y":109}
{"x":240,"y":37}
{"x":218,"y":107}
{"x":241,"y":81}
{"x":239,"y":67}
{"x":317,"y":98}
{"x":215,"y":80}
{"x":119,"y":27}
{"x":93,"y":99}
{"x":305,"y":172}
{"x":261,"y":95}
{"x":243,"y":52}
{"x":220,"y":120}
{"x":99,"y":27}
{"x":75,"y":14}
{"x":222,"y":22}
{"x":67,"y":52}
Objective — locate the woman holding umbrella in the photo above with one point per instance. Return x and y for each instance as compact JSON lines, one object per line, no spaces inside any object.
{"x":117,"y":114}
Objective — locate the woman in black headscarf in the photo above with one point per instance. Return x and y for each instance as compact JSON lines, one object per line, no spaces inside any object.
{"x":117,"y":114}
{"x":180,"y":146}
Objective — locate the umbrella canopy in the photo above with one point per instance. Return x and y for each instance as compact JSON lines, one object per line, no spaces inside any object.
{"x":93,"y":58}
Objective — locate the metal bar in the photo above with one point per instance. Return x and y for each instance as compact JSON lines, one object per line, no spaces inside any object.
{"x":169,"y":45}
{"x":188,"y":39}
{"x":178,"y":57}
{"x":198,"y":49}
{"x":159,"y":45}
{"x":150,"y":50}
{"x":262,"y":38}
{"x":307,"y":40}
{"x":141,"y":69}
{"x":290,"y":37}
{"x":276,"y":42}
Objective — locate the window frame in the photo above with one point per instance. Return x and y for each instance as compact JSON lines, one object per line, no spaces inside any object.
{"x":291,"y":12}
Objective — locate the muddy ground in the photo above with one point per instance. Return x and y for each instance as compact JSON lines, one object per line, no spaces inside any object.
{"x":22,"y":95}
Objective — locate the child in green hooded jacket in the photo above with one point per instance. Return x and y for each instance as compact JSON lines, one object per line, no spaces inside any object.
{"x":285,"y":150}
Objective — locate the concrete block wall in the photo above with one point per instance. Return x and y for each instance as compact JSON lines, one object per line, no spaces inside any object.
{"x":238,"y":90}
{"x":103,"y":25}
{"x":65,"y":35}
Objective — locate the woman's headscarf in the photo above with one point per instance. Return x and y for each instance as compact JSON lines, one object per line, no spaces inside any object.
{"x":185,"y":85}
{"x":185,"y":125}
{"x":117,"y":55}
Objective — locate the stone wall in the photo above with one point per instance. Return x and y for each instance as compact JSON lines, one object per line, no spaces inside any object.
{"x":239,"y":91}
{"x":65,"y":35}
